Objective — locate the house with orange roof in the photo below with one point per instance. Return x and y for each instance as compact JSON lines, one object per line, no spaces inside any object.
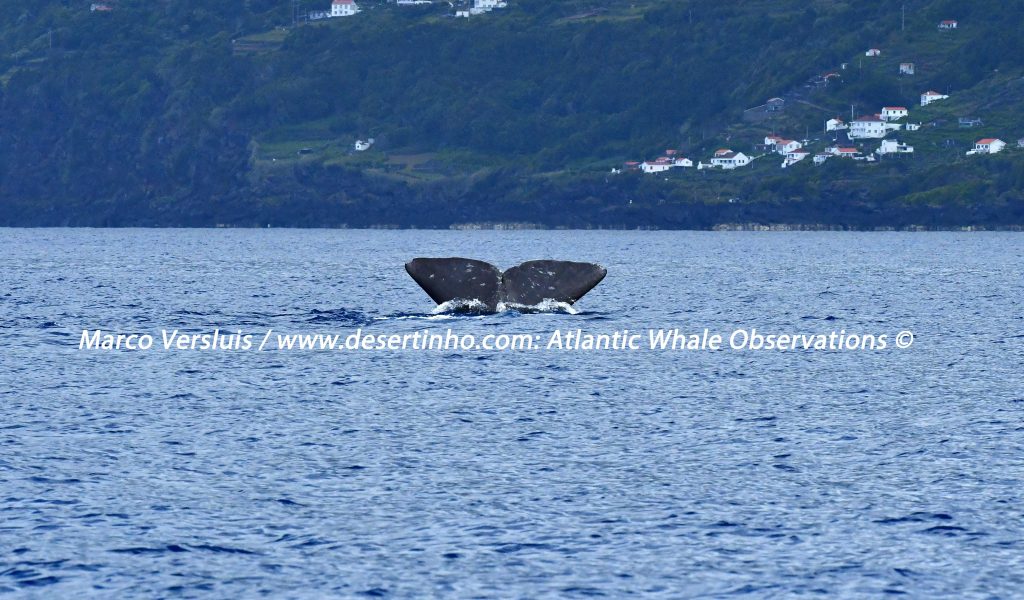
{"x":988,"y":146}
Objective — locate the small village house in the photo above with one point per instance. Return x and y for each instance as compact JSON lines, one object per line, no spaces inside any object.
{"x":913,"y":126}
{"x":988,"y":146}
{"x":728,"y":160}
{"x":906,"y":68}
{"x":780,"y":145}
{"x":344,"y":8}
{"x":821,"y":157}
{"x":969,"y":122}
{"x":842,"y":152}
{"x":894,"y":113}
{"x":672,"y":159}
{"x":100,"y":7}
{"x":363,"y":145}
{"x":835,"y":124}
{"x":873,"y":52}
{"x":794,"y":157}
{"x":931,"y":96}
{"x":655,"y":166}
{"x":868,"y":127}
{"x":948,"y":25}
{"x":893,"y":147}
{"x":1020,"y":143}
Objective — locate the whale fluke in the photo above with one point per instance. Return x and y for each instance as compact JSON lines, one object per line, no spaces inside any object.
{"x":529,"y":284}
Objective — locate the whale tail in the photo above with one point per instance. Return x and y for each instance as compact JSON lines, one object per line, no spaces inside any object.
{"x":528,"y":284}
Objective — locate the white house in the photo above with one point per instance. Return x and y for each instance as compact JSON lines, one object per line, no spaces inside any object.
{"x":843,"y":152}
{"x":727,"y":159}
{"x":893,"y":147}
{"x":655,"y":166}
{"x":490,"y":4}
{"x":913,"y":126}
{"x":363,"y":145}
{"x":821,"y":157}
{"x":344,"y":8}
{"x":795,"y":156}
{"x":671,"y":160}
{"x":1020,"y":143}
{"x":873,"y":52}
{"x":931,"y":96}
{"x":835,"y":124}
{"x":894,"y":113}
{"x":907,"y":68}
{"x":462,"y":14}
{"x":988,"y":146}
{"x":948,"y":25}
{"x":868,"y":127}
{"x":782,"y":146}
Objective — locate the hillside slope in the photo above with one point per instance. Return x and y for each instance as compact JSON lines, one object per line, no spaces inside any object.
{"x":183,"y":113}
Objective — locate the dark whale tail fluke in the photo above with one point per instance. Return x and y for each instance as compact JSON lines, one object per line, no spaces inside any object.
{"x":529,"y":284}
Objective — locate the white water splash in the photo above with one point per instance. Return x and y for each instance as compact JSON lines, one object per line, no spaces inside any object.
{"x":545,"y":306}
{"x":459,"y":305}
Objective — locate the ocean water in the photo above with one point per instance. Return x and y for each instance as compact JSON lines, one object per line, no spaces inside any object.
{"x":486,"y":474}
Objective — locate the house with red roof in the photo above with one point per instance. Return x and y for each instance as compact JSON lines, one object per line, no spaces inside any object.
{"x":795,"y":156}
{"x":868,"y":127}
{"x":931,"y":96}
{"x":948,"y":25}
{"x":894,"y":113}
{"x":988,"y":146}
{"x":729,"y":160}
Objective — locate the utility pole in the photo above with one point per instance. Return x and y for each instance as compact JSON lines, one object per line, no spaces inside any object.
{"x":903,"y":27}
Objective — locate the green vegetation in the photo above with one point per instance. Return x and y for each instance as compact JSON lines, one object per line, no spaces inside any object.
{"x":198,"y":113}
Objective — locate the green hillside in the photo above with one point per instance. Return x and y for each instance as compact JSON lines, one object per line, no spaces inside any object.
{"x":195,"y":113}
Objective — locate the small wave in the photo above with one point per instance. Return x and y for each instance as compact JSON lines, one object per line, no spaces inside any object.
{"x":339,"y":315}
{"x":460,"y":306}
{"x":545,"y":306}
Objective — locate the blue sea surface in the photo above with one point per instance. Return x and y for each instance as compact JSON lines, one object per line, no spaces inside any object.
{"x":411,"y":474}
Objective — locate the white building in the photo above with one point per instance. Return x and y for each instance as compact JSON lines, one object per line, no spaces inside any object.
{"x":820,"y":158}
{"x":363,"y":145}
{"x":671,"y":160}
{"x":489,"y":4}
{"x":931,"y":96}
{"x":894,"y":113}
{"x":781,"y":145}
{"x":843,"y":152}
{"x":1020,"y":143}
{"x":835,"y":124}
{"x":655,"y":166}
{"x":913,"y":126}
{"x":988,"y":146}
{"x":868,"y":127}
{"x":893,"y":147}
{"x":907,"y":68}
{"x":727,"y":159}
{"x":344,"y":8}
{"x":873,"y":52}
{"x":948,"y":25}
{"x":794,"y":157}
